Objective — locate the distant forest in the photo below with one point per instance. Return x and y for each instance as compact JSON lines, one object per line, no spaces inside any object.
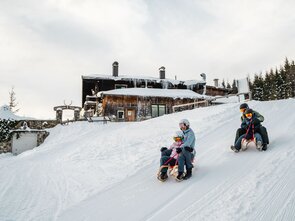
{"x":275,"y":84}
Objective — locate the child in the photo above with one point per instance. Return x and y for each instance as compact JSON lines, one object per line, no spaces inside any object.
{"x":251,"y":125}
{"x":169,"y":155}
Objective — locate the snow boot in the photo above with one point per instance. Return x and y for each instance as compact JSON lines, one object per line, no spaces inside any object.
{"x":259,"y":145}
{"x":188,"y":174}
{"x":163,"y":176}
{"x":234,"y":149}
{"x":264,"y":147}
{"x":180,"y":177}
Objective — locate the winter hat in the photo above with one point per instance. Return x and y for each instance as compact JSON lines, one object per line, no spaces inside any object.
{"x":244,"y":106}
{"x":249,"y":111}
{"x":185,"y":122}
{"x":178,"y":135}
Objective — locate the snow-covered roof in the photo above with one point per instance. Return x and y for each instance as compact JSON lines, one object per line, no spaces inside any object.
{"x":143,"y":78}
{"x":156,"y":92}
{"x":7,"y":114}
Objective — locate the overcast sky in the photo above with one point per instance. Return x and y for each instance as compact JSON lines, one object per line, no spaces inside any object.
{"x":47,"y":45}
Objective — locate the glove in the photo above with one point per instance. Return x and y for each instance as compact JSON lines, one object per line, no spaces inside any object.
{"x":189,"y":149}
{"x":163,"y":149}
{"x":178,"y":150}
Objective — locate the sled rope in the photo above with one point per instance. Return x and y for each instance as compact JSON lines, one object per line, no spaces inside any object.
{"x":171,"y":159}
{"x":248,"y":129}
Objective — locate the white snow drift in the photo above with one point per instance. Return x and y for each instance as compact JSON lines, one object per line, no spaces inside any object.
{"x":93,"y":171}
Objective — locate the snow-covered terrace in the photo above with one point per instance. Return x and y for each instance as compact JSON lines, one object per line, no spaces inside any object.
{"x":156,"y":92}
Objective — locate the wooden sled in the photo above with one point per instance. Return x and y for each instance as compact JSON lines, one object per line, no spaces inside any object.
{"x":172,"y":170}
{"x":245,"y":144}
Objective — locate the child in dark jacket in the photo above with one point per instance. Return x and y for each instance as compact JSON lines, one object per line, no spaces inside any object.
{"x":251,"y":124}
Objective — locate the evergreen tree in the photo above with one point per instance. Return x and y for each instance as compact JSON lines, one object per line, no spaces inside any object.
{"x":228,"y":85}
{"x":12,"y":101}
{"x":278,"y":82}
{"x":271,"y":80}
{"x":266,"y":87}
{"x":292,"y":78}
{"x":234,"y":87}
{"x":288,"y":79}
{"x":257,"y":93}
{"x":223,"y":83}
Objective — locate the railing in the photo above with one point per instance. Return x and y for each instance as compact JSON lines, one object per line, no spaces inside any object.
{"x":187,"y":106}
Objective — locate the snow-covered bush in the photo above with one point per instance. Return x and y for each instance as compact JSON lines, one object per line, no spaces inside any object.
{"x":5,"y":127}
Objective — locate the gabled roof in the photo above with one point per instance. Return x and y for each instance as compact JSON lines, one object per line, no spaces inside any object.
{"x":156,"y":92}
{"x":143,"y":78}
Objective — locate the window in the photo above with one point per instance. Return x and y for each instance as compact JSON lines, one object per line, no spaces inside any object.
{"x":119,"y":86}
{"x":158,"y":110}
{"x":120,"y":114}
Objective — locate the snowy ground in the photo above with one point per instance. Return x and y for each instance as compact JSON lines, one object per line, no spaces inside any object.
{"x":91,"y":171}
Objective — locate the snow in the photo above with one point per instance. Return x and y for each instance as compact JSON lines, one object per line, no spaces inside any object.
{"x":225,"y":99}
{"x":155,"y":92}
{"x":96,"y":171}
{"x":243,"y":86}
{"x":142,"y":78}
{"x":7,"y":114}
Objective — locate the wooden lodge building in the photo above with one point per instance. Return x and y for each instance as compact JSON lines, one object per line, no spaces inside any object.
{"x":139,"y":97}
{"x":136,"y":104}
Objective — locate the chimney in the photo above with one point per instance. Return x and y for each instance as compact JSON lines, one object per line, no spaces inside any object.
{"x":115,"y":69}
{"x":162,"y":72}
{"x":216,"y":82}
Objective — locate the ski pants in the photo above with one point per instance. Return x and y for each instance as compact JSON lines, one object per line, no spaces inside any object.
{"x":185,"y":158}
{"x":262,"y":131}
{"x":238,"y":144}
{"x":165,"y":156}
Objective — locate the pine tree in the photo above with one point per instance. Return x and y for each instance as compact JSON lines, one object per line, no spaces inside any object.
{"x":223,"y":83}
{"x":234,"y":87}
{"x":271,"y":79}
{"x":292,"y":78}
{"x":257,"y":92}
{"x":288,"y":79}
{"x":12,"y":101}
{"x":266,"y":87}
{"x":280,"y":83}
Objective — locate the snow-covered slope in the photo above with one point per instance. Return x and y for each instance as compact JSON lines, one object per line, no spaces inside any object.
{"x":108,"y":172}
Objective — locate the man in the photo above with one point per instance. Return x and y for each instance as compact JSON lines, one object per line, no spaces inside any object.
{"x":262,"y":130}
{"x":186,"y":151}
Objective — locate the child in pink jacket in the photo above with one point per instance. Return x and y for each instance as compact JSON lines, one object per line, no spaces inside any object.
{"x":169,"y":155}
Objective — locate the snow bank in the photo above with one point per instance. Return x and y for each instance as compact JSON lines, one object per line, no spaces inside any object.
{"x":84,"y":171}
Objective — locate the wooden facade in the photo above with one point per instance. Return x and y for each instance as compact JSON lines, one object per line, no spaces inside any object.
{"x":92,"y":85}
{"x":138,"y":108}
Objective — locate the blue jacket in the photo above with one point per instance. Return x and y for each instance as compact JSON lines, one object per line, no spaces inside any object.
{"x":189,"y":138}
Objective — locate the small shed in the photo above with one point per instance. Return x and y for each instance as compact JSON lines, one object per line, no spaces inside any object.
{"x":27,"y":139}
{"x":136,"y":104}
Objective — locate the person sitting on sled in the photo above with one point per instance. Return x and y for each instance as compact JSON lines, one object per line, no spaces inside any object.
{"x":262,"y":130}
{"x":169,"y":155}
{"x":251,"y":124}
{"x":186,"y":151}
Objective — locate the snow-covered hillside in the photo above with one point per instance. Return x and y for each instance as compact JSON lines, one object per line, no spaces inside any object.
{"x":93,"y":171}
